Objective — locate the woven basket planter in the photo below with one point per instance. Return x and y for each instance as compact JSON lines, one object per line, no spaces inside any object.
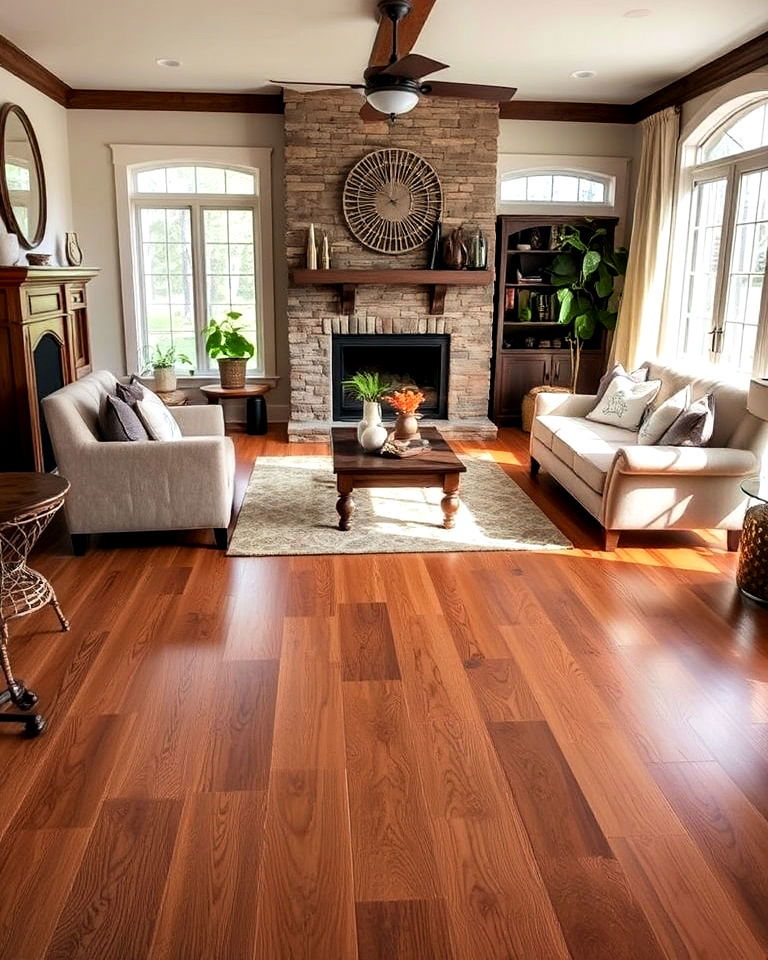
{"x":529,"y":403}
{"x":232,"y":372}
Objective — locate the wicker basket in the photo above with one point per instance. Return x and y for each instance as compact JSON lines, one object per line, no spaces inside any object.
{"x":529,"y":403}
{"x":232,"y":372}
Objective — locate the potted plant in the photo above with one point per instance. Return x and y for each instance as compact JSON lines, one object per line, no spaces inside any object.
{"x":368,"y":387}
{"x":585,"y":272}
{"x":406,"y":402}
{"x":164,"y":360}
{"x":231,"y":350}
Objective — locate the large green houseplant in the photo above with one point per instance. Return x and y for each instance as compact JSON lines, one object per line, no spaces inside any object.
{"x":225,"y":343}
{"x":585,"y":273}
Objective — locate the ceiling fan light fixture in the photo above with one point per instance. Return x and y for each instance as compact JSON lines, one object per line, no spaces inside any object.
{"x":392,"y":102}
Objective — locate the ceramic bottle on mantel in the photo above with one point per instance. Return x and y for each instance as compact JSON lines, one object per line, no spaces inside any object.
{"x":9,"y":248}
{"x":325,"y":256}
{"x":455,"y":250}
{"x":311,"y":248}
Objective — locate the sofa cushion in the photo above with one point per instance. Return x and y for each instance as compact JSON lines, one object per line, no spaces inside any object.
{"x":625,"y":402}
{"x":593,"y":467}
{"x":118,"y":422}
{"x":589,"y":454}
{"x":638,"y":376}
{"x":157,"y":419}
{"x":129,"y":393}
{"x":694,"y":426}
{"x":658,"y":419}
{"x":546,"y":429}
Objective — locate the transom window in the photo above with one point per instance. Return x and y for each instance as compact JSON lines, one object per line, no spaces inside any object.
{"x":554,"y":187}
{"x":725,"y":243}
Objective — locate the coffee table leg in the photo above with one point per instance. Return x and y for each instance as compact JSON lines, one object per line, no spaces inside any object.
{"x":450,"y":502}
{"x":345,"y":506}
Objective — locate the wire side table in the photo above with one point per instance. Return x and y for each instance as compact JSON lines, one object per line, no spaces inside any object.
{"x":28,"y":503}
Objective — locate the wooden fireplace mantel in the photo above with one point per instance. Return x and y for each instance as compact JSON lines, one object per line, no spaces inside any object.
{"x":437,"y":281}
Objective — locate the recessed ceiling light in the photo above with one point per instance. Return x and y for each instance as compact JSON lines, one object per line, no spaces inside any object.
{"x":636,"y":14}
{"x":168,"y":62}
{"x":583,"y":74}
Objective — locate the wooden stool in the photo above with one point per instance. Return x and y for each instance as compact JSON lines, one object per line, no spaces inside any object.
{"x":28,"y":502}
{"x":255,"y":404}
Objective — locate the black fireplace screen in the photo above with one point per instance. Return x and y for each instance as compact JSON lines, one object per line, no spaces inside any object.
{"x":49,"y":375}
{"x":405,"y":360}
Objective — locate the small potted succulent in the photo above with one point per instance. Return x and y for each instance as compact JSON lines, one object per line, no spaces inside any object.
{"x":164,"y":361}
{"x":231,"y":350}
{"x":369,"y":387}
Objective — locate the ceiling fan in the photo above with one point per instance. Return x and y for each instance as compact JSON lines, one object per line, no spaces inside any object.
{"x":396,"y":88}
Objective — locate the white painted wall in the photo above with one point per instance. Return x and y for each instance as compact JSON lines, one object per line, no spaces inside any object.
{"x":93,"y":200}
{"x":49,"y":121}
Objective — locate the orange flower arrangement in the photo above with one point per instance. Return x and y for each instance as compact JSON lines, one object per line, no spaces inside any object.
{"x":406,"y":402}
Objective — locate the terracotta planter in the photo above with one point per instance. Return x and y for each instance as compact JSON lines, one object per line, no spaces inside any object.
{"x":232,"y":372}
{"x":406,"y":427}
{"x":165,"y":379}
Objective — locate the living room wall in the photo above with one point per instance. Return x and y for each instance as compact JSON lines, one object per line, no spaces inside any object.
{"x":93,"y":198}
{"x":49,"y":120}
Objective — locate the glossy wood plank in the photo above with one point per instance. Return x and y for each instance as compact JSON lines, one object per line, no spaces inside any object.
{"x":391,"y":847}
{"x":305,"y":894}
{"x":116,"y":895}
{"x":556,"y":814}
{"x":209,"y":907}
{"x":403,"y":930}
{"x":367,"y":647}
{"x":600,"y":917}
{"x":502,"y":692}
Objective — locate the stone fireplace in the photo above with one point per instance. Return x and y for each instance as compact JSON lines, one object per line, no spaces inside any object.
{"x":325,"y":137}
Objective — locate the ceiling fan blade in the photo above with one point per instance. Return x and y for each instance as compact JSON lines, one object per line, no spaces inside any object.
{"x":369,"y":115}
{"x":469,"y":91}
{"x":317,"y":84}
{"x":408,"y":33}
{"x":414,"y":67}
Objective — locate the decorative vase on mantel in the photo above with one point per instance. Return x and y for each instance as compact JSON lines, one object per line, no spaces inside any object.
{"x":455,"y":250}
{"x":371,"y":432}
{"x":9,"y":248}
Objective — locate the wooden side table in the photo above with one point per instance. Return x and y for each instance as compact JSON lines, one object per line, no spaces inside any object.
{"x":173,"y":398}
{"x":255,"y":403}
{"x":28,"y":502}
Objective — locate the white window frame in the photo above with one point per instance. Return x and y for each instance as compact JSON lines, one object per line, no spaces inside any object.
{"x":690,"y":173}
{"x":612,"y":171}
{"x":130,"y":158}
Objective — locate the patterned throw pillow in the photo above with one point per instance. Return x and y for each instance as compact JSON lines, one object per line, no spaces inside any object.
{"x":694,"y":426}
{"x":624,"y":403}
{"x":118,"y":422}
{"x":638,"y":376}
{"x":158,"y":420}
{"x":658,"y":420}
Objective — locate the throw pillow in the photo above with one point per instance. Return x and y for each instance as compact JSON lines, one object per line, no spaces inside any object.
{"x":639,"y":376}
{"x":118,"y":422}
{"x":158,"y":420}
{"x":657,"y":421}
{"x":624,"y":403}
{"x":694,"y":426}
{"x":147,"y":394}
{"x":129,"y":392}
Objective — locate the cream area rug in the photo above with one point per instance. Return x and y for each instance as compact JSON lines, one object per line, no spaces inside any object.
{"x":290,"y":510}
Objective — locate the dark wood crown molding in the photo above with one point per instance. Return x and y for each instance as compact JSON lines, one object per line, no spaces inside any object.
{"x":730,"y":66}
{"x":21,"y":65}
{"x":173,"y":100}
{"x":566,"y":111}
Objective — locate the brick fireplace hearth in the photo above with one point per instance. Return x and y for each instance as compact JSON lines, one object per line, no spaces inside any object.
{"x":325,"y":137}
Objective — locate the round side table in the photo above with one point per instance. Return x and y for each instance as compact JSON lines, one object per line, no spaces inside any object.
{"x":752,"y":575}
{"x":28,"y":502}
{"x":255,"y":404}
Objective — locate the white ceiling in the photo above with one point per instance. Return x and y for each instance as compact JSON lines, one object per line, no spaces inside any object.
{"x":237,"y":45}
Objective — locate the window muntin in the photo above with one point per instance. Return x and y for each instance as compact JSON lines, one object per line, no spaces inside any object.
{"x":554,"y":187}
{"x":195,"y":258}
{"x":748,"y":130}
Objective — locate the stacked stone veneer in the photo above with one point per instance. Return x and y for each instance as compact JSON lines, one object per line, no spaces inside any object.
{"x":324,"y":138}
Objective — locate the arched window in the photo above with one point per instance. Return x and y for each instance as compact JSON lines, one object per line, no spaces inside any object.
{"x":555,"y":186}
{"x":722,"y":240}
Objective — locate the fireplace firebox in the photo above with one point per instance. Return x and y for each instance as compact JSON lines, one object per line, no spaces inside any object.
{"x":405,"y":360}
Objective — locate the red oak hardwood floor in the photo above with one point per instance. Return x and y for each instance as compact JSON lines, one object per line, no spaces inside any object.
{"x":447,"y":757}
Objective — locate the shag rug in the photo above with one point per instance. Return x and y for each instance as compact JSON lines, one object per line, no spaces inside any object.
{"x":290,"y":510}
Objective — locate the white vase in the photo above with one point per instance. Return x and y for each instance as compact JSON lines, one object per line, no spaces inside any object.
{"x":370,"y":428}
{"x":9,"y":248}
{"x":165,"y":379}
{"x":374,"y":437}
{"x":371,"y":415}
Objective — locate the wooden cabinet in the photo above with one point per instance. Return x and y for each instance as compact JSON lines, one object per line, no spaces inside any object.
{"x":530,"y":346}
{"x":44,"y":344}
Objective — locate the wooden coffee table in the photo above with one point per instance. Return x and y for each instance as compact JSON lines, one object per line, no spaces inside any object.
{"x":355,"y":469}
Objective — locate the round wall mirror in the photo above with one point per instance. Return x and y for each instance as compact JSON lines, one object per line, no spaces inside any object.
{"x":22,"y":181}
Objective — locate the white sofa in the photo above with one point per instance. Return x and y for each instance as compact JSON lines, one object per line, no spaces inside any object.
{"x":144,"y":485}
{"x":626,"y":486}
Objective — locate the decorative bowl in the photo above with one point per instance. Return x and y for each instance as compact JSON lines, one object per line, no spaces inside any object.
{"x":523,"y":247}
{"x":39,"y":259}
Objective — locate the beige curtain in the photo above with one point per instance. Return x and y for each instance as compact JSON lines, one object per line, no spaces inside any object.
{"x":638,"y":329}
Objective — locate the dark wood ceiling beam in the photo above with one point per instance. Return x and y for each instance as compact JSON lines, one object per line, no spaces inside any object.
{"x":730,"y":66}
{"x":21,"y":65}
{"x":408,"y":32}
{"x":566,"y":111}
{"x":174,"y":100}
